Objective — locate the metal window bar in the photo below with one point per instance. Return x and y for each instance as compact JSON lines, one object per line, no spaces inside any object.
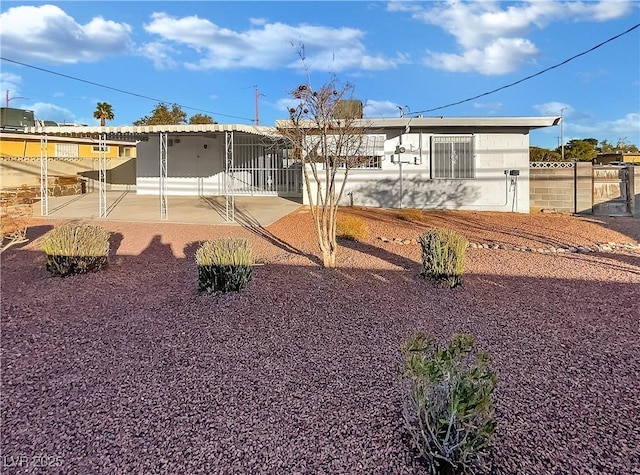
{"x":44,"y":175}
{"x":67,"y":150}
{"x":164,"y":202}
{"x":102,"y":175}
{"x":453,"y":157}
{"x":230,"y":199}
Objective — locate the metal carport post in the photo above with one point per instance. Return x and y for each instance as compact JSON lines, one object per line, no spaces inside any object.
{"x":230,"y":199}
{"x":102,"y":175}
{"x":44,"y":175}
{"x":164,"y":204}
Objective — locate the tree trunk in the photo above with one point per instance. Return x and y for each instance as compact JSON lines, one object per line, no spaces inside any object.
{"x":329,"y":258}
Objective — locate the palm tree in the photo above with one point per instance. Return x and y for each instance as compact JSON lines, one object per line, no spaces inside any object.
{"x":103,"y":112}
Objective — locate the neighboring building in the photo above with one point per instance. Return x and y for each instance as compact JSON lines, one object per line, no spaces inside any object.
{"x":624,"y":157}
{"x":68,"y":156}
{"x":16,"y":119}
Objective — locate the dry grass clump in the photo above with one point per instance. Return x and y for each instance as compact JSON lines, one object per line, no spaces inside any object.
{"x":352,"y":228}
{"x":443,"y":255}
{"x":411,"y":215}
{"x":224,"y":265}
{"x":76,"y":249}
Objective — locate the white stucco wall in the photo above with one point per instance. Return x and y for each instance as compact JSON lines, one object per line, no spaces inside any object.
{"x":490,"y":190}
{"x":192,"y":169}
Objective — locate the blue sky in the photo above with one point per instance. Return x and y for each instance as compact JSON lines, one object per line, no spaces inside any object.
{"x":414,"y":55}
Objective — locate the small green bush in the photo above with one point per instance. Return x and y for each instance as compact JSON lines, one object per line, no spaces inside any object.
{"x":352,"y":228}
{"x":411,"y":215}
{"x":448,"y":408}
{"x":224,"y":265}
{"x":76,"y":249}
{"x":443,"y":253}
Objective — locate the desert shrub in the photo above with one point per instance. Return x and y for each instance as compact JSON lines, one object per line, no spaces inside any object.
{"x":448,"y":408}
{"x":352,"y":228}
{"x":443,"y":253}
{"x":76,"y":249}
{"x":224,"y":265}
{"x":411,"y":214}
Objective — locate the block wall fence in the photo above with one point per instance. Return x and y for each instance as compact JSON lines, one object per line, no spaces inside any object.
{"x":567,"y":187}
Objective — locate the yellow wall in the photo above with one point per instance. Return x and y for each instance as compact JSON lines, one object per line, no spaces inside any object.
{"x":20,"y":160}
{"x":23,"y":145}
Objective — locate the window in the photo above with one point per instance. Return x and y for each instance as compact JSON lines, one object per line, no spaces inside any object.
{"x":364,"y":151}
{"x":126,"y":152}
{"x":67,"y":150}
{"x":96,"y":148}
{"x":365,"y":162}
{"x":453,"y":157}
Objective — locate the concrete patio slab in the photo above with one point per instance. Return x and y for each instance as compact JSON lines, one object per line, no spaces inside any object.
{"x":128,"y":206}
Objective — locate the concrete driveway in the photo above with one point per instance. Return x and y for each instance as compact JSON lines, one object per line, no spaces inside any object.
{"x":128,"y":206}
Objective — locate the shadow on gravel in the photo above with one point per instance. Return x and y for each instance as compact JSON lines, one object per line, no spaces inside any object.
{"x":628,"y":226}
{"x":628,"y":262}
{"x":114,"y":244}
{"x":131,"y":370}
{"x":380,"y":253}
{"x":251,"y":224}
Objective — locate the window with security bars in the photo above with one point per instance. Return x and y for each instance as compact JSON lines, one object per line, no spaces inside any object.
{"x":453,"y":157}
{"x":96,"y":148}
{"x":67,"y":150}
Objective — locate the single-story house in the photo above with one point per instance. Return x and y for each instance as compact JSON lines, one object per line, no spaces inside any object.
{"x":457,"y":163}
{"x":473,"y":163}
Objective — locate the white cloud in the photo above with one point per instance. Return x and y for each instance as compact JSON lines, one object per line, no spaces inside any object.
{"x":159,"y":53}
{"x":491,"y":36}
{"x":381,"y":109}
{"x":554,"y":108}
{"x":502,"y":56}
{"x":268,"y":45}
{"x":623,"y":128}
{"x":490,"y":107}
{"x":47,"y":33}
{"x":47,"y":111}
{"x":10,"y":82}
{"x":284,"y":104}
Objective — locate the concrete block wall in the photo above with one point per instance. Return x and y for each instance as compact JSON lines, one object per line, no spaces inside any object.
{"x":584,"y":184}
{"x":552,"y":189}
{"x":25,"y":172}
{"x":635,"y":191}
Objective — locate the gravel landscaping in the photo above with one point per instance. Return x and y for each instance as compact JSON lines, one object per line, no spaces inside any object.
{"x":131,"y":370}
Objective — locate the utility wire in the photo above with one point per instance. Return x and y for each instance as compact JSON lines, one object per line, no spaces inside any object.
{"x":533,"y":75}
{"x":120,"y":90}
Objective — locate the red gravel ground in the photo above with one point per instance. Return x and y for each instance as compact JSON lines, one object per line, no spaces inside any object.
{"x":131,"y":370}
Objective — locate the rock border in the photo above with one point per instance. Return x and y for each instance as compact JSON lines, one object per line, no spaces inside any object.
{"x":598,"y":247}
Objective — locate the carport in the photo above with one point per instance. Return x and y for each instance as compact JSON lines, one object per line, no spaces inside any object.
{"x":215,"y":162}
{"x":123,"y":205}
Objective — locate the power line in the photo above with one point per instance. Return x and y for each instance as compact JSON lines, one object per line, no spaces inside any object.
{"x":533,"y":75}
{"x":120,"y":90}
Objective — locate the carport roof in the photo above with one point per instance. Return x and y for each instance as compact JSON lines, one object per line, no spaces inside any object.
{"x":138,"y":132}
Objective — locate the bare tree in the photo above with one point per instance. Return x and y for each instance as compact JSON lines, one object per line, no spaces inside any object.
{"x":328,"y":138}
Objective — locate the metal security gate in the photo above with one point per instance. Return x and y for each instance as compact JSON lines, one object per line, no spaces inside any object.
{"x":264,"y":169}
{"x":611,"y":195}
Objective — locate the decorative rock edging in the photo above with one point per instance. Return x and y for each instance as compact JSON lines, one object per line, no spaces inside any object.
{"x":598,"y":247}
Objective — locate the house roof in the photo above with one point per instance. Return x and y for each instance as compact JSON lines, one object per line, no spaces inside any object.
{"x":134,"y":132}
{"x":451,"y":122}
{"x":474,"y":122}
